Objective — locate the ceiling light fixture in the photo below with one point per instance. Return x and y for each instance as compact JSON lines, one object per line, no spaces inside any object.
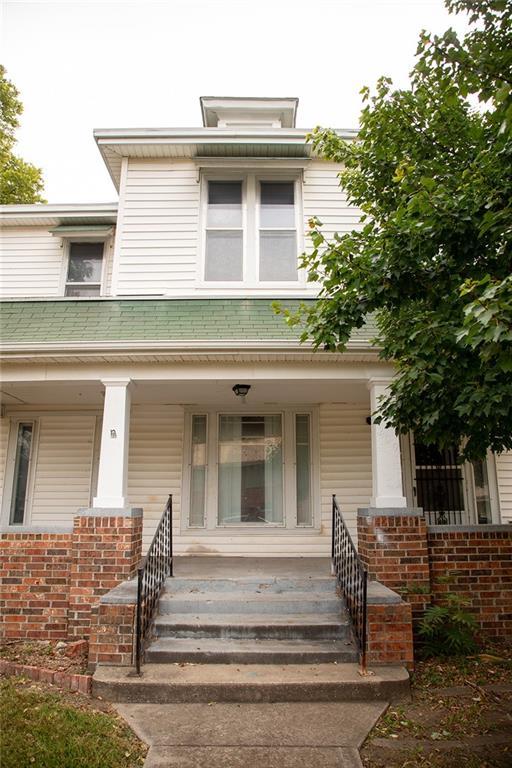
{"x":241,"y":390}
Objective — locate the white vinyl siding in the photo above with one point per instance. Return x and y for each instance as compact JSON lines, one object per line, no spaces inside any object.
{"x":345,"y":462}
{"x":62,"y":474}
{"x":504,"y":477}
{"x":155,"y":463}
{"x":63,"y":471}
{"x":158,"y":223}
{"x":159,"y":248}
{"x":155,"y":470}
{"x":32,"y":263}
{"x":323,"y":198}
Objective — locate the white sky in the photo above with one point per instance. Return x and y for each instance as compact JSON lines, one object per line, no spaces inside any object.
{"x":117,"y":64}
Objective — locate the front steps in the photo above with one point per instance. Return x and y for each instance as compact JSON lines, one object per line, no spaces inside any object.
{"x":251,"y":621}
{"x":249,"y":683}
{"x":250,"y":639}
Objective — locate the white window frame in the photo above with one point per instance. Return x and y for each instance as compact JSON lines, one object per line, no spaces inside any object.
{"x":251,"y":204}
{"x":12,"y":443}
{"x":289,"y":524}
{"x":66,"y":245}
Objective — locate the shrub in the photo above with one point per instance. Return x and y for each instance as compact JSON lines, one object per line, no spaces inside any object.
{"x":449,"y":629}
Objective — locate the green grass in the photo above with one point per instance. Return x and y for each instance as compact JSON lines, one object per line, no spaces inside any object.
{"x":43,"y":729}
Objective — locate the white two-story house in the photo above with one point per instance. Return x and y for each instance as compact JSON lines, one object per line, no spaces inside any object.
{"x":141,"y":355}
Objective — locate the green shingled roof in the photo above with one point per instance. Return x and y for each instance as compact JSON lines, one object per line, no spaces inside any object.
{"x":127,"y":320}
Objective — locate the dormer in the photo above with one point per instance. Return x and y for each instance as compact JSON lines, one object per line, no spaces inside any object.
{"x":248,"y":113}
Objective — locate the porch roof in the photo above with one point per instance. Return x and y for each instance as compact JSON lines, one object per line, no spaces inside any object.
{"x":235,"y":321}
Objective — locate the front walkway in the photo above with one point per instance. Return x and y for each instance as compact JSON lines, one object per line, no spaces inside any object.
{"x":234,"y":735}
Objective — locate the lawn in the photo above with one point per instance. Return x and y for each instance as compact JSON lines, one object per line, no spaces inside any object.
{"x":460,"y":715}
{"x":41,"y":727}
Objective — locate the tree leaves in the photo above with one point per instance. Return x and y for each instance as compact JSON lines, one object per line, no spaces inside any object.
{"x":20,"y":182}
{"x":432,"y":257}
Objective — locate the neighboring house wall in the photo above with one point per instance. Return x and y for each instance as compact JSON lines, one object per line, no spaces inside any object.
{"x":504,"y":475}
{"x":32,"y":263}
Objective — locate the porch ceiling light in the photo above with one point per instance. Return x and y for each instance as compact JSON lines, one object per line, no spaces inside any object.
{"x":241,"y":390}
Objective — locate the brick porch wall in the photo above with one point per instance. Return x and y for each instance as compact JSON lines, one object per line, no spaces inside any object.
{"x":105,"y":551}
{"x":403,"y":553}
{"x":52,"y":581}
{"x":478,"y":561}
{"x":34,"y":592}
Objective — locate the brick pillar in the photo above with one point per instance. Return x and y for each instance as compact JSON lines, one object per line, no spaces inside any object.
{"x":106,"y":549}
{"x":393,"y":545}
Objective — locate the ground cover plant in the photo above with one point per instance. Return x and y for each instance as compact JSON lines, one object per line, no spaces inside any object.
{"x":41,"y":727}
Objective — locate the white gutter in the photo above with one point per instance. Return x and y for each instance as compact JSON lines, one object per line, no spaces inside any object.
{"x":165,"y":345}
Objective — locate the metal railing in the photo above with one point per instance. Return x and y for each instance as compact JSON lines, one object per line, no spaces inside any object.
{"x":446,"y":517}
{"x":351,"y":578}
{"x":151,"y":575}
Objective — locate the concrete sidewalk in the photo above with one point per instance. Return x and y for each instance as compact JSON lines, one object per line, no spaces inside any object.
{"x":231,"y":735}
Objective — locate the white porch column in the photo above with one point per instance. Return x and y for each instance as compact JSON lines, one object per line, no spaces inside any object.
{"x":115,"y":433}
{"x":386,"y":466}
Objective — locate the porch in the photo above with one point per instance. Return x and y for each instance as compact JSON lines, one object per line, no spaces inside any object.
{"x":250,"y":476}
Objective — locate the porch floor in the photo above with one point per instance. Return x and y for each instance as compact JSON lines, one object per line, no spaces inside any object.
{"x":251,"y":567}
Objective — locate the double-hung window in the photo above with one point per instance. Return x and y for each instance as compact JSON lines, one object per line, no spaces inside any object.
{"x":251,"y":231}
{"x":277,"y":232}
{"x":85,"y":269}
{"x":224,"y":232}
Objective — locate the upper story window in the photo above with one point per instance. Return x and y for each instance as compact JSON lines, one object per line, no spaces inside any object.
{"x":251,"y":229}
{"x":85,"y":269}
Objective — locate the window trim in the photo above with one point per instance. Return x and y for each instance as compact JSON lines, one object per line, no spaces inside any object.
{"x":12,"y":442}
{"x":251,"y":179}
{"x":67,"y":242}
{"x":289,"y":525}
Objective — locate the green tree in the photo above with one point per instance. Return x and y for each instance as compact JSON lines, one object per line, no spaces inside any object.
{"x":20,"y":182}
{"x":431,"y":172}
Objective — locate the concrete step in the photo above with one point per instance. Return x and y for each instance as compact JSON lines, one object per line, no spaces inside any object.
{"x":273,"y":585}
{"x":249,"y":602}
{"x":171,"y":650}
{"x":203,"y":683}
{"x":301,"y":626}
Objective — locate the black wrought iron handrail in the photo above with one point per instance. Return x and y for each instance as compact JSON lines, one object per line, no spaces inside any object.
{"x":351,"y":578}
{"x":151,"y":575}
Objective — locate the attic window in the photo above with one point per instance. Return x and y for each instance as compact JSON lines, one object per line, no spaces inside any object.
{"x":85,"y":267}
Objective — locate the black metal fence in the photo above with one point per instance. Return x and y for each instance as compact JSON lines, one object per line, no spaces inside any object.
{"x":351,"y":577}
{"x":155,"y":568}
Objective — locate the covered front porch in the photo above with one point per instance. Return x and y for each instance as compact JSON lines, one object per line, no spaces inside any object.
{"x":250,"y":476}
